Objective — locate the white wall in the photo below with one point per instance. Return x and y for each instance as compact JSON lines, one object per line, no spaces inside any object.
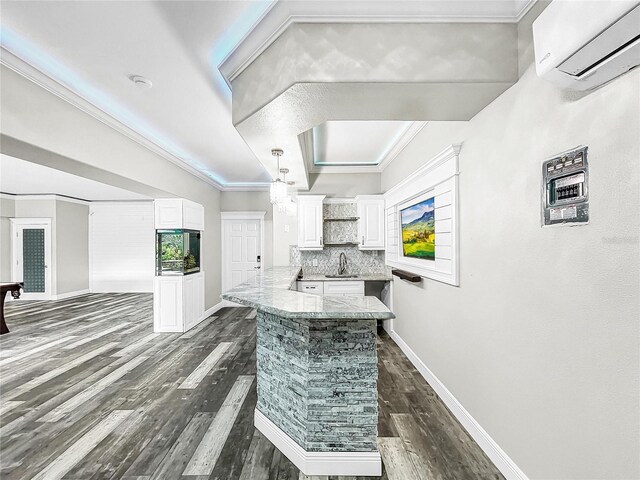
{"x":7,"y":211}
{"x":122,"y":246}
{"x":285,"y":234}
{"x":81,"y":143}
{"x":540,"y":343}
{"x":72,"y":247}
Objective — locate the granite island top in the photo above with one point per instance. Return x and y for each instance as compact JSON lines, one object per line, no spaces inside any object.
{"x":376,"y":277}
{"x":270,"y":292}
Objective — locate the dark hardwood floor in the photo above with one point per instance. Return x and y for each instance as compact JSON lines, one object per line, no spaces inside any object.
{"x":88,"y":391}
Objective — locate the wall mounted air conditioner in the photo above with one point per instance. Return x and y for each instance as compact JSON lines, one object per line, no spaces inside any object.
{"x":582,"y":44}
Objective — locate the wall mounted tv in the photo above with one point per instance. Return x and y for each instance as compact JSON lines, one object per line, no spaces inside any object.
{"x":418,"y":228}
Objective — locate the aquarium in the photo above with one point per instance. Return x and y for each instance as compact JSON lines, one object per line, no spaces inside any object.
{"x":177,"y":252}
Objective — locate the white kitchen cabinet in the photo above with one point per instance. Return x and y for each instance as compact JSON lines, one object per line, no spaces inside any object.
{"x":178,"y":302}
{"x":310,"y":222}
{"x":314,"y":288}
{"x":333,"y":287}
{"x":171,"y":213}
{"x":371,"y":222}
{"x":344,"y":287}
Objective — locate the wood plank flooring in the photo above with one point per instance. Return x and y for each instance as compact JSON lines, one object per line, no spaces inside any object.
{"x":88,"y":391}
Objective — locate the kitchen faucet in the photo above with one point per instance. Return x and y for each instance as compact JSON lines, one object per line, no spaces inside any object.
{"x":342,"y":267}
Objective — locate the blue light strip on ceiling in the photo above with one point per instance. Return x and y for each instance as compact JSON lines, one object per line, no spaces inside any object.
{"x":51,"y":67}
{"x":234,"y":34}
{"x":385,"y":152}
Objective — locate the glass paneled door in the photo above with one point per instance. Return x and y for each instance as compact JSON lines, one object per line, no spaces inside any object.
{"x":31,"y":257}
{"x":33,"y":264}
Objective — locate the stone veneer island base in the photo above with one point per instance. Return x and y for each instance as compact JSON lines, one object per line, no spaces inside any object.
{"x":316,"y":374}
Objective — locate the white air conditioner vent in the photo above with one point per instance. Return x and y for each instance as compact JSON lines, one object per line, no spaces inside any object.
{"x":581,"y":45}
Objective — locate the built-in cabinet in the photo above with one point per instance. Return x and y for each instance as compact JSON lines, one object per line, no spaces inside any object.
{"x":346,"y":287}
{"x":371,"y":222}
{"x":310,"y":222}
{"x":178,"y":300}
{"x":370,"y":219}
{"x":351,"y":288}
{"x":173,"y":213}
{"x":314,"y":288}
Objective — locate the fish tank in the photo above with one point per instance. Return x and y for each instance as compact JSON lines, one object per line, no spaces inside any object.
{"x":177,"y":252}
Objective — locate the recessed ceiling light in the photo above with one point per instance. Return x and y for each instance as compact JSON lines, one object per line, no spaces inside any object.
{"x":140,"y":81}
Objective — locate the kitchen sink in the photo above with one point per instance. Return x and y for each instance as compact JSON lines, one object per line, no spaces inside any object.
{"x":341,"y":276}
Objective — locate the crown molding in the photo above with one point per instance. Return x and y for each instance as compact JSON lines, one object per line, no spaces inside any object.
{"x":527,"y":5}
{"x":44,"y":196}
{"x":404,"y":140}
{"x":36,"y":76}
{"x":246,"y":187}
{"x":281,"y":15}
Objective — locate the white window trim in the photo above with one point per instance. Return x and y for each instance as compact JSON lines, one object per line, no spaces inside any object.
{"x":439,"y":176}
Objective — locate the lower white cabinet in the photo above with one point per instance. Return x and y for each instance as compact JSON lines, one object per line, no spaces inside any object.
{"x":340,"y":288}
{"x":315,"y":288}
{"x":346,"y":287}
{"x":178,"y":302}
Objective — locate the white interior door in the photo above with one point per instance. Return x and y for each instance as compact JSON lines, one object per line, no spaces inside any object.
{"x":31,"y":257}
{"x":242,"y":250}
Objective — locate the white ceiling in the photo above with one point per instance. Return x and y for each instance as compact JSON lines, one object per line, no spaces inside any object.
{"x":92,"y":47}
{"x":355,"y":142}
{"x":25,"y":178}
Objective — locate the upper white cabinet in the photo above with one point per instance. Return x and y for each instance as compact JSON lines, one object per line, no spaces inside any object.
{"x":178,"y":213}
{"x":310,"y":222}
{"x":371,"y":222}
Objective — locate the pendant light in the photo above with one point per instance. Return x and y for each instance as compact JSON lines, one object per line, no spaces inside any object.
{"x":282,"y":204}
{"x":278,"y":191}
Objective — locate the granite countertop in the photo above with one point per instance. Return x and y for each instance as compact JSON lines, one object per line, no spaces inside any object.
{"x":378,"y":277}
{"x":270,"y":292}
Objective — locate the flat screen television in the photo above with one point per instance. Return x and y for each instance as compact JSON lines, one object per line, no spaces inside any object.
{"x":418,"y":230}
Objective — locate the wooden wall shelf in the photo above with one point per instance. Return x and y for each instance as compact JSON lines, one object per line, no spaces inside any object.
{"x":411,"y":277}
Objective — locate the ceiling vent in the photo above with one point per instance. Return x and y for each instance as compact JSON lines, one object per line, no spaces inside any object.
{"x":141,"y":82}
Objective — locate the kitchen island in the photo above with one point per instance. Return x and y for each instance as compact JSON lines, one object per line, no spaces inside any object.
{"x":316,"y":373}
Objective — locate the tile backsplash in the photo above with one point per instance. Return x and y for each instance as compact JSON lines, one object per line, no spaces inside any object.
{"x":340,"y":231}
{"x":358,"y":261}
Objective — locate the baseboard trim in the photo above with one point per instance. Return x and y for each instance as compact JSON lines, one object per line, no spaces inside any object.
{"x":498,"y":456}
{"x":207,"y":313}
{"x":62,"y":296}
{"x":319,"y":463}
{"x":229,"y":303}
